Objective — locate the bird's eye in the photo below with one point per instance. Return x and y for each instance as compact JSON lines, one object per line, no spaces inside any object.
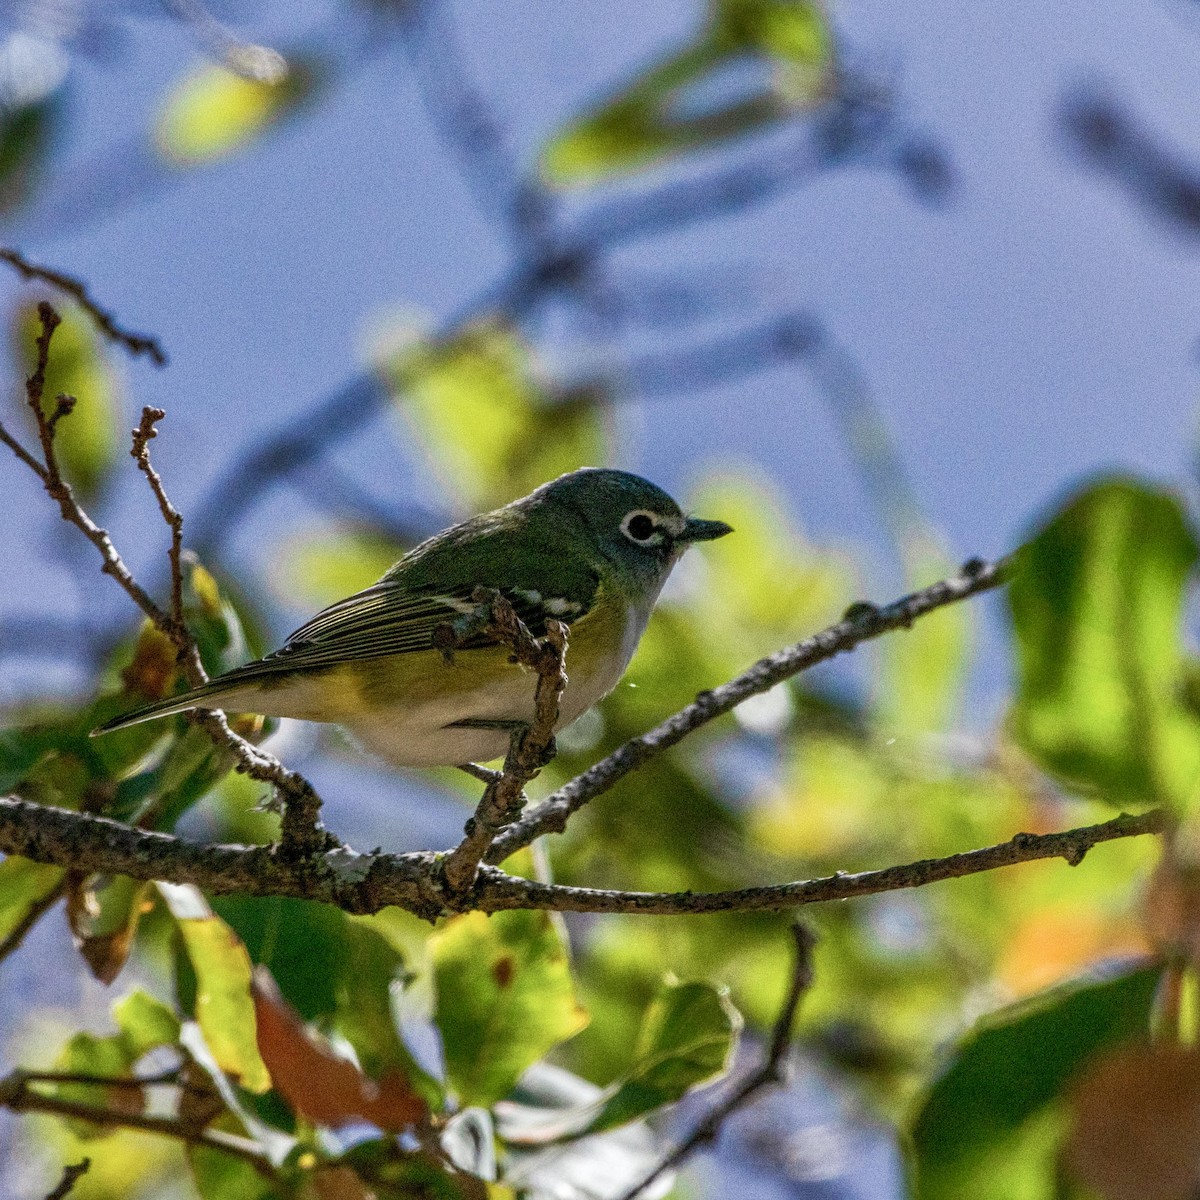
{"x":639,"y":527}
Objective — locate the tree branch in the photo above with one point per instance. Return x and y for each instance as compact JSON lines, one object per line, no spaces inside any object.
{"x":365,"y":883}
{"x":771,"y":1070}
{"x":860,"y":623}
{"x":72,"y":1173}
{"x":17,"y":1094}
{"x":302,"y":832}
{"x":135,"y":343}
{"x":532,"y":746}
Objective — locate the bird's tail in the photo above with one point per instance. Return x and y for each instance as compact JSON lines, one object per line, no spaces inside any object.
{"x":218,"y":691}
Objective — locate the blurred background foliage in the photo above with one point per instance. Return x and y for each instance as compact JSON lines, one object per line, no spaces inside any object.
{"x":1023,"y":1033}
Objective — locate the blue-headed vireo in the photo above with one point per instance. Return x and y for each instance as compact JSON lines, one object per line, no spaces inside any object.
{"x":592,"y":548}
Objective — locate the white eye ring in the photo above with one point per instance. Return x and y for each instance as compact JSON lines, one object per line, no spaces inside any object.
{"x":638,"y":533}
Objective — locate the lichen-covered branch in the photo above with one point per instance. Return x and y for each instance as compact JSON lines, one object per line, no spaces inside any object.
{"x":860,"y":623}
{"x":365,"y":883}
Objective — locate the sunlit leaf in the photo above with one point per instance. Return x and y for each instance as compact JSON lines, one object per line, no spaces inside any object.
{"x":504,"y":998}
{"x":25,"y":886}
{"x":1011,"y":1066}
{"x":756,"y":62}
{"x":492,"y":428}
{"x":1097,"y":607}
{"x":88,"y":439}
{"x":213,"y":111}
{"x":223,"y":1005}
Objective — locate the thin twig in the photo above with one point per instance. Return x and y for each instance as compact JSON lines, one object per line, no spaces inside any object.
{"x":17,"y":1094}
{"x":72,"y":1173}
{"x":860,"y":623}
{"x":771,"y":1070}
{"x":365,"y":883}
{"x":302,"y":832}
{"x":135,"y":343}
{"x":532,"y":746}
{"x":142,"y":436}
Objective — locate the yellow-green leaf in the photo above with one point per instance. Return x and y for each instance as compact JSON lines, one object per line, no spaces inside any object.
{"x":493,"y":431}
{"x":505,"y":996}
{"x":224,"y":1008}
{"x":213,"y":111}
{"x":1097,"y":608}
{"x":782,"y":47}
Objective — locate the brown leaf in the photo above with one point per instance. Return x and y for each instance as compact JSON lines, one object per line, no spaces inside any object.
{"x":314,"y":1080}
{"x":103,"y":914}
{"x":335,"y":1182}
{"x":1136,"y":1128}
{"x":152,"y":671}
{"x":1171,"y":906}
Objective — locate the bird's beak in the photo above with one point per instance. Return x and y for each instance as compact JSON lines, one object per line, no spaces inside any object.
{"x":696,"y":530}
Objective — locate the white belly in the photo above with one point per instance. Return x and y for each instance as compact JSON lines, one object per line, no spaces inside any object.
{"x":425,"y":735}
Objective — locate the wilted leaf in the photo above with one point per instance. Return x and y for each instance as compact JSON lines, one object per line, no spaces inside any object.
{"x":224,"y":1008}
{"x":1136,"y":1124}
{"x":317,"y":1082}
{"x":1097,"y":607}
{"x":214,"y":112}
{"x":756,"y":62}
{"x":103,"y":913}
{"x":1012,"y":1066}
{"x":87,"y":441}
{"x":493,"y":430}
{"x":505,"y":997}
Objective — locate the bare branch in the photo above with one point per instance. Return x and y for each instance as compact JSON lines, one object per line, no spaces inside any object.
{"x":532,"y":746}
{"x":17,"y":1094}
{"x":860,"y":623}
{"x":135,"y":343}
{"x":174,"y":519}
{"x":302,"y":832}
{"x":365,"y":883}
{"x":72,"y":1173}
{"x":771,"y":1070}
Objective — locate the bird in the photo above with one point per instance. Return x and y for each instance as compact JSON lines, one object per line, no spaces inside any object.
{"x":592,"y":548}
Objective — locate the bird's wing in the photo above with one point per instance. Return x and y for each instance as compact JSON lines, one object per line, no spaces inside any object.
{"x":389,"y":618}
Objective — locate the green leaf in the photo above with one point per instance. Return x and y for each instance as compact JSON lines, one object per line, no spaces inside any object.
{"x":492,"y":429}
{"x":24,"y":887}
{"x":214,"y":112}
{"x":223,"y":1007}
{"x":144,"y":1024}
{"x":1097,"y":607}
{"x":664,"y":113}
{"x":505,"y":997}
{"x":1011,"y":1066}
{"x":26,"y":135}
{"x":687,"y":1037}
{"x":87,"y":440}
